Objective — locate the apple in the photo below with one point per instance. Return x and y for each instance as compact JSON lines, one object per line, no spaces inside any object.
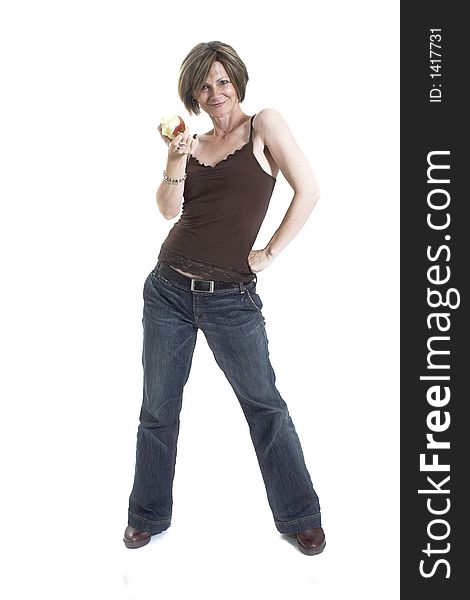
{"x":171,"y":125}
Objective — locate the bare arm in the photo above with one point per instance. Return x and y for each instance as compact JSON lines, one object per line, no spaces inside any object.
{"x":298,"y":173}
{"x":169,"y":195}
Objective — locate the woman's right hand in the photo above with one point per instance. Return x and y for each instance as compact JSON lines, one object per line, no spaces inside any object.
{"x":181,"y":145}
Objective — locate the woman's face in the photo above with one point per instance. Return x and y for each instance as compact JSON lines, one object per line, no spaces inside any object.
{"x":217,"y":96}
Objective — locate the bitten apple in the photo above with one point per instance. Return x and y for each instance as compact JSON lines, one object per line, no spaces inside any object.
{"x":171,"y":125}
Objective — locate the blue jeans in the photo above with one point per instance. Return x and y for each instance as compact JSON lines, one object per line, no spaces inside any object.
{"x":234,"y":327}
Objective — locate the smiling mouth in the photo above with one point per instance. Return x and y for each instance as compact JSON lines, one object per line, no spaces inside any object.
{"x":218,"y":103}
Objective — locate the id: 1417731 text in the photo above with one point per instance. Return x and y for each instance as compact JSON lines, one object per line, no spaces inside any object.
{"x":435,"y":65}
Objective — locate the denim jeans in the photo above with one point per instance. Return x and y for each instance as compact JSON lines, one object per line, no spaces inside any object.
{"x":234,"y":327}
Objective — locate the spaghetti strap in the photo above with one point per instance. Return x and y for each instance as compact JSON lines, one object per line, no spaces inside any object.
{"x":251,"y":127}
{"x":189,"y":155}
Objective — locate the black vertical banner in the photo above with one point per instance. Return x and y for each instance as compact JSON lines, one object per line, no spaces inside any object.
{"x":435,"y":257}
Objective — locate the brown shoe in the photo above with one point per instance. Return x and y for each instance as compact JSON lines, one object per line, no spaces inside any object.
{"x":311,"y":541}
{"x":134,"y":538}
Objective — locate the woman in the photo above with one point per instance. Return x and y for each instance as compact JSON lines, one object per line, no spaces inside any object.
{"x":205,"y":278}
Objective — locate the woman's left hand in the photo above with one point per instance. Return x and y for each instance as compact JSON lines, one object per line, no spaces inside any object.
{"x":259,"y":260}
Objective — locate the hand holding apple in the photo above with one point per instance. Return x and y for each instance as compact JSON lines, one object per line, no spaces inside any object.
{"x":176,"y":136}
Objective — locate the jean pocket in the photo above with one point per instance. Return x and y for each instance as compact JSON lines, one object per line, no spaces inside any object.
{"x":152,"y":277}
{"x":158,"y":277}
{"x":253,"y":298}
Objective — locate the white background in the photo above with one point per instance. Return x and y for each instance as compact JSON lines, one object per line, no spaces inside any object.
{"x":84,"y":85}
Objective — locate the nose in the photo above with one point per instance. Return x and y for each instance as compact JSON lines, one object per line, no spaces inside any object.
{"x":214,"y":95}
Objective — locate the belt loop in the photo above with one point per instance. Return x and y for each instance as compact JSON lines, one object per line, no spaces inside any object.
{"x":240,"y":285}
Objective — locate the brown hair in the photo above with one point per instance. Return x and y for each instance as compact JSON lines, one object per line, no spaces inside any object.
{"x":196,"y":66}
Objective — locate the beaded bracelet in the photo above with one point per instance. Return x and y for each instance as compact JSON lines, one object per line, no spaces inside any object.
{"x":173,"y":181}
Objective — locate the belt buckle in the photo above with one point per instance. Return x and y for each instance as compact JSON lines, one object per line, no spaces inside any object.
{"x":195,"y":281}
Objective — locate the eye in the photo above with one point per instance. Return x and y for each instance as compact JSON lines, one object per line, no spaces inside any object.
{"x":204,"y":87}
{"x":224,"y":82}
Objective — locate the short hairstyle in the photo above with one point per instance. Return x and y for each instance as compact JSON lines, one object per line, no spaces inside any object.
{"x":196,"y":66}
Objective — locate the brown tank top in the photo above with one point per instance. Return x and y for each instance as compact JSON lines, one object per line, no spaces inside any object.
{"x":223,"y":209}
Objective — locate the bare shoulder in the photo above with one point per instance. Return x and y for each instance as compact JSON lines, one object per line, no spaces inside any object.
{"x":269,"y":122}
{"x":268,"y":115}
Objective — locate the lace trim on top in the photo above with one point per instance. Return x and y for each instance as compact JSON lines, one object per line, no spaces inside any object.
{"x":222,"y":160}
{"x":202,"y":269}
